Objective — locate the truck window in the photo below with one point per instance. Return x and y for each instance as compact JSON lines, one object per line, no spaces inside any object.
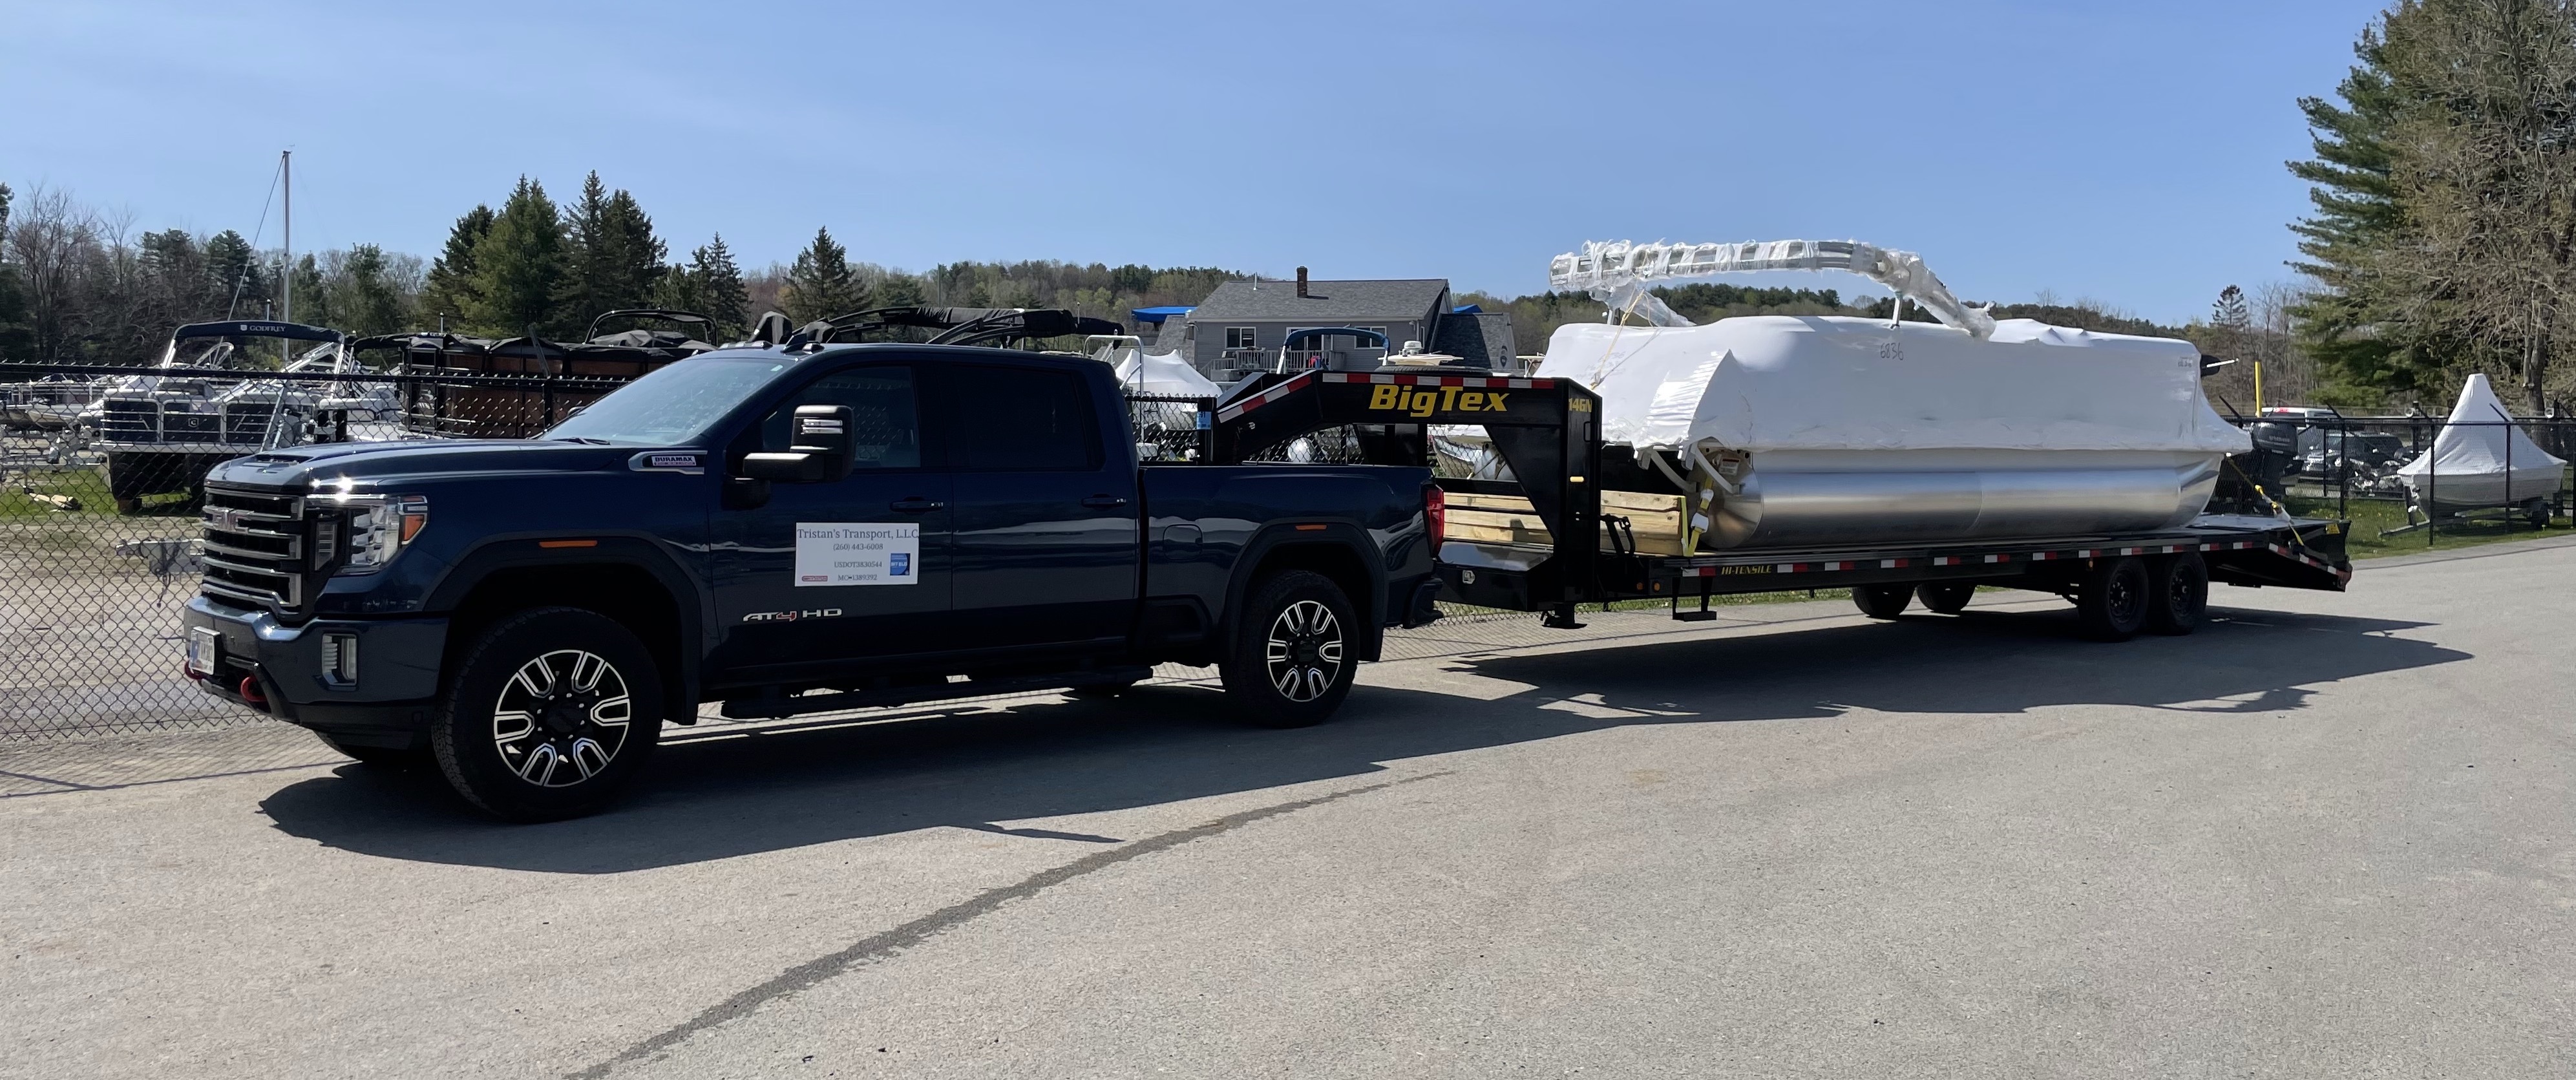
{"x":1023,"y":420}
{"x":885,"y":427}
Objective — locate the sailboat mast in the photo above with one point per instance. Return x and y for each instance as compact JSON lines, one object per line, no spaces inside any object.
{"x":286,"y":279}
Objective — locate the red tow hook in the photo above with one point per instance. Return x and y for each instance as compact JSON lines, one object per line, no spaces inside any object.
{"x":250,"y":691}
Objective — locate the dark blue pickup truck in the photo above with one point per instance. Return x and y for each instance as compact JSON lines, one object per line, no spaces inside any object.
{"x":782,"y":531}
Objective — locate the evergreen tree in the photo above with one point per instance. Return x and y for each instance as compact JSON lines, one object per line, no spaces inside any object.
{"x":450,"y":288}
{"x":312,"y":294}
{"x":615,"y":260}
{"x":234,"y":283}
{"x":17,"y":341}
{"x":896,"y":290}
{"x":519,"y":267}
{"x":365,"y":300}
{"x":2362,"y":327}
{"x":821,"y":284}
{"x":2230,"y":312}
{"x":716,"y":289}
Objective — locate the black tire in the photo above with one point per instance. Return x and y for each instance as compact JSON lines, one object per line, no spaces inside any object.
{"x":1882,"y":601}
{"x":2178,"y":596}
{"x":2538,"y":514}
{"x":381,"y":757}
{"x":1290,"y":662}
{"x":2112,"y":600}
{"x":1945,"y":597}
{"x":528,"y":752}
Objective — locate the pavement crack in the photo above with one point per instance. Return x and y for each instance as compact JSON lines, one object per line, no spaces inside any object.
{"x":879,"y":946}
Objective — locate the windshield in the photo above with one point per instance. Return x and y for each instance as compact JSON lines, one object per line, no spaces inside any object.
{"x":674,"y":405}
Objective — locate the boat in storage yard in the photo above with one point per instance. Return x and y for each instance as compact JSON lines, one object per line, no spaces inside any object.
{"x":1822,"y":430}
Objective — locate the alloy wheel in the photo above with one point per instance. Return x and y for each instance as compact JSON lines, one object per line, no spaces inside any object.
{"x":561,"y":718}
{"x":1305,"y":653}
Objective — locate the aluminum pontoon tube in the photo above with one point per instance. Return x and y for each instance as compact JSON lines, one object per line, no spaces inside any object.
{"x":1783,"y":508}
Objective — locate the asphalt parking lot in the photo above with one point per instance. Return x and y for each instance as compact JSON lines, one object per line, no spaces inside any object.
{"x":2330,"y":835}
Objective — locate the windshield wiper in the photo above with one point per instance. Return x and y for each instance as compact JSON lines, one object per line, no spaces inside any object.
{"x":583,"y":439}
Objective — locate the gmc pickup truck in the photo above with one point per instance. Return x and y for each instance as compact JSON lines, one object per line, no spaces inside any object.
{"x":781,"y":530}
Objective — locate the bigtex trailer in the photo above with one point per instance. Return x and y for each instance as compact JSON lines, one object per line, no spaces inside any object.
{"x":2089,"y":480}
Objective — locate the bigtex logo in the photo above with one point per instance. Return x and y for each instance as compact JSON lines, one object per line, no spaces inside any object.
{"x":1428,"y":400}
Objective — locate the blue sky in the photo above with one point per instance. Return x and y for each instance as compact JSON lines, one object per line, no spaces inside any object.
{"x":2129,"y":152}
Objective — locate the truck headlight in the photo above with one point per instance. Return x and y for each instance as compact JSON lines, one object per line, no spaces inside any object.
{"x":377,"y":528}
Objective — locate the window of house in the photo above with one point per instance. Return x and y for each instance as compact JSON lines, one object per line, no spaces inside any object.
{"x":1239,"y":337}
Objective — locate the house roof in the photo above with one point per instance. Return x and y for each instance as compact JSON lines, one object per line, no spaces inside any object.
{"x":1481,"y":339}
{"x":1327,"y":303}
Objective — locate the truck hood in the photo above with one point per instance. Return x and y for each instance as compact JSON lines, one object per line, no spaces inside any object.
{"x":374,"y":464}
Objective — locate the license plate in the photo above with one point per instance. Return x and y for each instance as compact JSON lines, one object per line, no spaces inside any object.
{"x":204,"y":646}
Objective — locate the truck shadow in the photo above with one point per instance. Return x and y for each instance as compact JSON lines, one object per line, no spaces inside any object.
{"x":974,"y":767}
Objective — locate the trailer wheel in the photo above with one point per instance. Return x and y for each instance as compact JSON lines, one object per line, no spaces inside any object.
{"x":1290,"y":663}
{"x":1882,"y":601}
{"x":551,"y":713}
{"x":2113,"y":598}
{"x":2537,"y":512}
{"x":2179,"y":595}
{"x":1945,"y":597}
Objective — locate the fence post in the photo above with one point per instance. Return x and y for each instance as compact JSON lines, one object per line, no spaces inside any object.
{"x":2433,"y":485}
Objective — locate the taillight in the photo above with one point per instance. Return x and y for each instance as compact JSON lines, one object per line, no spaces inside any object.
{"x":1435,"y":508}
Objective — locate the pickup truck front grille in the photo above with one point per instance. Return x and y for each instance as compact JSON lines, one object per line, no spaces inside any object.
{"x":257,"y":545}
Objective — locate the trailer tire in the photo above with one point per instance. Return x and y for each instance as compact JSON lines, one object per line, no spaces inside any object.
{"x":522,"y":751}
{"x":1291,"y":659}
{"x":2112,"y":599}
{"x":1945,"y":597}
{"x":2179,"y":596}
{"x":1882,"y":601}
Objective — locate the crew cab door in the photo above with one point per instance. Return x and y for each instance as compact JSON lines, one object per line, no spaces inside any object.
{"x":846,"y":573}
{"x":1047,"y":547}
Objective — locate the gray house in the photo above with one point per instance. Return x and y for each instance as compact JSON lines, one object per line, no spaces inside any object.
{"x":1242,"y":324}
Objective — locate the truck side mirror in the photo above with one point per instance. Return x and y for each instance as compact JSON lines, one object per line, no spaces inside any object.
{"x":818,"y":448}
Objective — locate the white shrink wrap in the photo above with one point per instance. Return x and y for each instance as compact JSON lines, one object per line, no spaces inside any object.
{"x":2481,"y":459}
{"x":1848,"y":430}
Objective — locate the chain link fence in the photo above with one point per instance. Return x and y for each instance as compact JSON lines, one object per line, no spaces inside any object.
{"x":101,"y":486}
{"x":2383,"y":473}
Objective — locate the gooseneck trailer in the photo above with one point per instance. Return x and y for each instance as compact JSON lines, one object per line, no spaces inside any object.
{"x":1561,"y":546}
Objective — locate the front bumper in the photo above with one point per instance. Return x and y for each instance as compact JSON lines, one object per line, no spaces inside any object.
{"x":398,"y":661}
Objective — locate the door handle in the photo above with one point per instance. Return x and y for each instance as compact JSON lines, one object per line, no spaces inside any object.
{"x":915,"y":506}
{"x":1104,"y":502}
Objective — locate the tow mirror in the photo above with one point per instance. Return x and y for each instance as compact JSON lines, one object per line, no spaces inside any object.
{"x":818,"y":448}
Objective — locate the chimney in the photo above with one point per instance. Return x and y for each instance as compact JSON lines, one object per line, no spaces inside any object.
{"x":1301,"y":283}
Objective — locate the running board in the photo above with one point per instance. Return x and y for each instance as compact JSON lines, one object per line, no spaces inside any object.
{"x":774,"y":705}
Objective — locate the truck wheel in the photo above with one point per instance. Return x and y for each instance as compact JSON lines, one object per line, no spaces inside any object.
{"x":379,"y":757}
{"x":1882,"y":601}
{"x":2178,"y":597}
{"x":551,"y":712}
{"x":2112,"y":600}
{"x":1945,"y":597}
{"x":1290,"y":663}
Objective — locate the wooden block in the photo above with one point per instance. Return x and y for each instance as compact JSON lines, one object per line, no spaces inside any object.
{"x":1654,"y":521}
